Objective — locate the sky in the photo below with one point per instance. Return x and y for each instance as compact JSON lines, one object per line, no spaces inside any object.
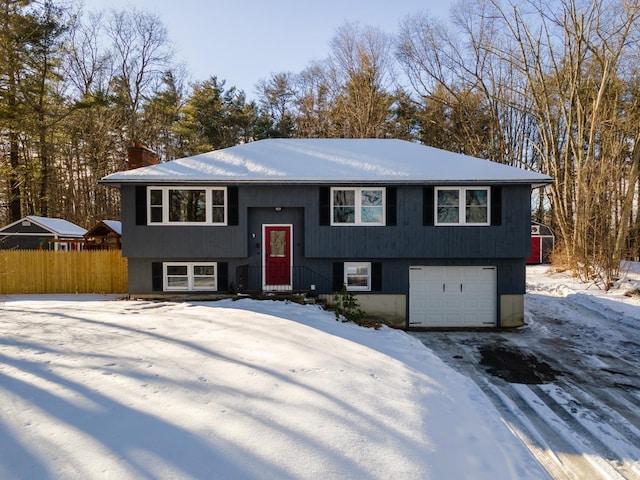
{"x":244,"y":41}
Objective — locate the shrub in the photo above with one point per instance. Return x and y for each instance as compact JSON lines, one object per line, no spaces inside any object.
{"x":346,"y":306}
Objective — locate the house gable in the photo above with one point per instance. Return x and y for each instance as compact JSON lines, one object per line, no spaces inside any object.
{"x":33,"y":232}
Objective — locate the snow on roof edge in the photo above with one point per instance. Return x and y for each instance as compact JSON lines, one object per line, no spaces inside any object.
{"x":328,"y":161}
{"x":538,"y":182}
{"x":57,"y":226}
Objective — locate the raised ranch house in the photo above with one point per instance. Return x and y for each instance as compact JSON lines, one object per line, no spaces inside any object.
{"x":425,"y":237}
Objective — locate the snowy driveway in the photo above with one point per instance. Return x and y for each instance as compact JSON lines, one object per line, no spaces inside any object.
{"x":570,"y":382}
{"x":241,"y":390}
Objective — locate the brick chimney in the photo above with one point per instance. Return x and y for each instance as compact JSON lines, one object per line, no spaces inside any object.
{"x":141,"y":156}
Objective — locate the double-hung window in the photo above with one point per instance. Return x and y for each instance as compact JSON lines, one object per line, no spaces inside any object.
{"x":462,"y":205}
{"x":187,"y":205}
{"x":180,"y":276}
{"x":357,"y":206}
{"x":357,"y":276}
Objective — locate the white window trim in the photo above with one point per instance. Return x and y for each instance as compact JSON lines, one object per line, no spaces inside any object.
{"x":358,"y":207}
{"x":208,"y":206}
{"x":461,"y":207}
{"x":366,"y":288}
{"x":190,"y":285}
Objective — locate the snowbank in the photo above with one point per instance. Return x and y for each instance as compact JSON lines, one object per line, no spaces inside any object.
{"x":247,"y":389}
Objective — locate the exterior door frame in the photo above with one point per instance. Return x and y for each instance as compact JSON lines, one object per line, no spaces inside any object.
{"x":266,"y":286}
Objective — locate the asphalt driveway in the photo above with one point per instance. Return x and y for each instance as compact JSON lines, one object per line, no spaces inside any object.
{"x":568,"y":384}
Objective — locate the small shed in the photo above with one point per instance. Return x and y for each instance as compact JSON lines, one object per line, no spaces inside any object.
{"x":105,"y":235}
{"x":41,"y":233}
{"x":542,"y":244}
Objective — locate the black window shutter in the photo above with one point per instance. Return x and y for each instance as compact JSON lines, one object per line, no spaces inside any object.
{"x":223,"y":276}
{"x":376,"y":276}
{"x":232,"y":208}
{"x":141,"y":205}
{"x":156,"y":277}
{"x":427,"y":206}
{"x":496,"y":205}
{"x":338,"y":276}
{"x":392,"y":196}
{"x":325,"y":206}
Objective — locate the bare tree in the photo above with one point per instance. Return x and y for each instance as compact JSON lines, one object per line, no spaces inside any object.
{"x":551,"y":89}
{"x":314,"y":101}
{"x":573,"y":58}
{"x":360,"y":64}
{"x":88,"y":149}
{"x":142,"y":54}
{"x":116,"y":65}
{"x":458,"y":74}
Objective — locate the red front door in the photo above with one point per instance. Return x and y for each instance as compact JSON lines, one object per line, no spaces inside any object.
{"x":277,"y":261}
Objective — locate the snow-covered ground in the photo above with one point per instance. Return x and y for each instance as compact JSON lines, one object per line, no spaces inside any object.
{"x":97,"y":388}
{"x":582,"y":421}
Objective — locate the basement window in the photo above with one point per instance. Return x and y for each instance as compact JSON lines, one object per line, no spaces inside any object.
{"x":183,"y":276}
{"x":357,"y":276}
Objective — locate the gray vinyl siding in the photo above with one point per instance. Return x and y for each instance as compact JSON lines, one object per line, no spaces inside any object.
{"x":395,"y":273}
{"x":411,"y":239}
{"x":268,"y":216}
{"x":408,"y":239}
{"x":316,"y":247}
{"x":24,"y":237}
{"x":140,"y":272}
{"x":175,"y":242}
{"x":31,"y":229}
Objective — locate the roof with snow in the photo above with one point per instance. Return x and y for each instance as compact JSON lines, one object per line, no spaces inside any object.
{"x":114,"y":225}
{"x":57,"y":226}
{"x":329,"y":161}
{"x":104,"y":227}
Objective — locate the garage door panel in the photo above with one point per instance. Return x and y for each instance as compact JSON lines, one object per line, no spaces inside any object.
{"x":453,"y":296}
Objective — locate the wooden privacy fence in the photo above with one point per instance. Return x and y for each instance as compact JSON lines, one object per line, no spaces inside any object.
{"x":46,"y":271}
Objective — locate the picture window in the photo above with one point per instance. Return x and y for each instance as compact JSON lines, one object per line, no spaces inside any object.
{"x":187,"y":205}
{"x":462,"y":205}
{"x":358,"y":206}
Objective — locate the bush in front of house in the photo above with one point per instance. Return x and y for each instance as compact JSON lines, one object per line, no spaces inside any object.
{"x":346,"y":306}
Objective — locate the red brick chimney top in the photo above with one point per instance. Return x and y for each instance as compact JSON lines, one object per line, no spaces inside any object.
{"x":141,"y":156}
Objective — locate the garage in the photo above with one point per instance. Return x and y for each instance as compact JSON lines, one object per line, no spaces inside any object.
{"x":452,"y":296}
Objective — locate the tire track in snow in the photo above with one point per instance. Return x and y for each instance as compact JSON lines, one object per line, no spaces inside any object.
{"x":580,"y":426}
{"x":557,"y":448}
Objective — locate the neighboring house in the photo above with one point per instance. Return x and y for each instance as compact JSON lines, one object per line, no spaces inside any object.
{"x":425,"y":237}
{"x":42,"y":233}
{"x":542,"y":244}
{"x":105,"y":235}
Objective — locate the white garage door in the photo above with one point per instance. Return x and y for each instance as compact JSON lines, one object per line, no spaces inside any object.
{"x":452,"y":296}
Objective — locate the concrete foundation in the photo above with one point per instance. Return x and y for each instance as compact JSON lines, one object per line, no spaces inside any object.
{"x":511,"y":311}
{"x":389,"y":309}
